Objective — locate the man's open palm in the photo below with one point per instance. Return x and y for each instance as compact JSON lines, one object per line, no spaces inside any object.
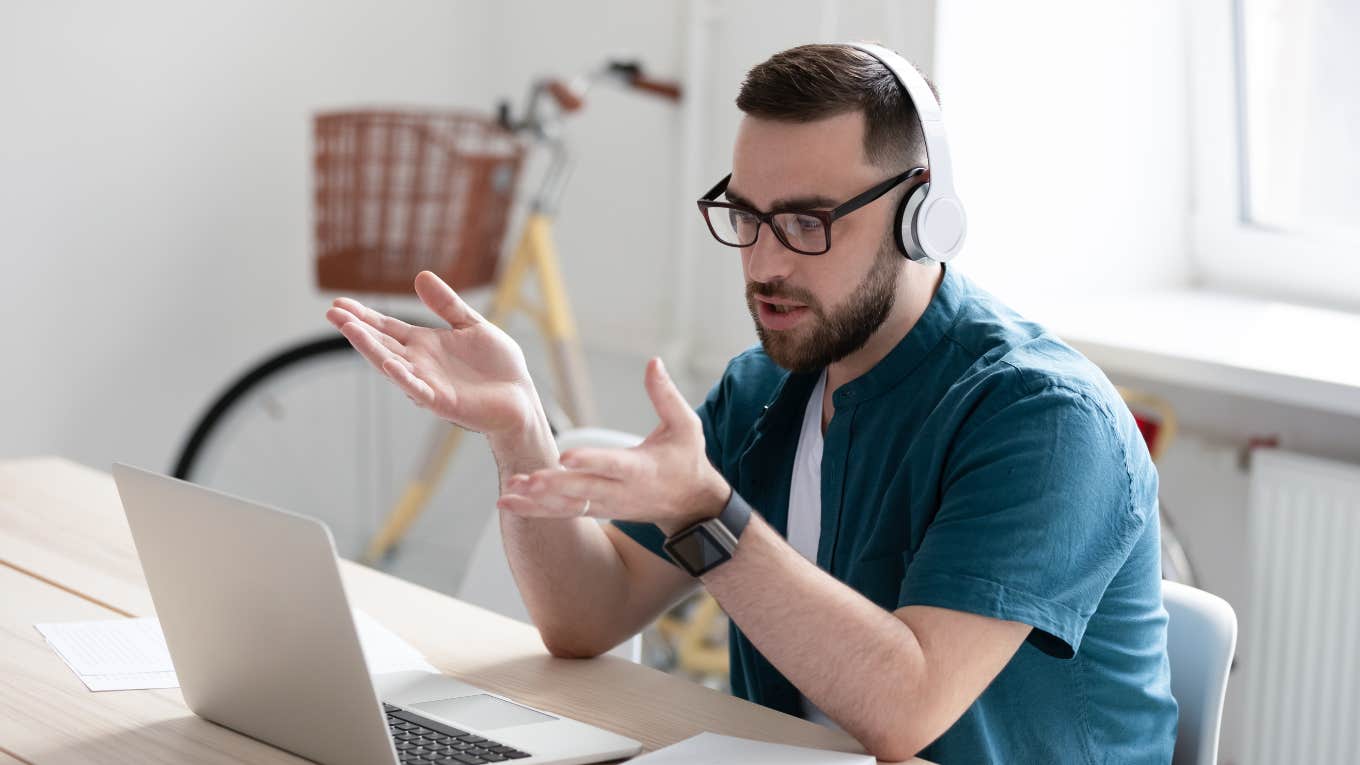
{"x":471,"y":374}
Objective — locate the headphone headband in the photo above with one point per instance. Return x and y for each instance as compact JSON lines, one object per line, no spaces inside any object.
{"x":937,"y":224}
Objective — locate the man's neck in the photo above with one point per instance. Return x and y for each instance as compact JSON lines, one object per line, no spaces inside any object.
{"x":916,"y":286}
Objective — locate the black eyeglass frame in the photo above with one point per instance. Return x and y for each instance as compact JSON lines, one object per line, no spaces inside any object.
{"x":708,"y":202}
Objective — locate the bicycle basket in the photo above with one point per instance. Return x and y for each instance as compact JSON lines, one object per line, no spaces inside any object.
{"x":401,"y":192}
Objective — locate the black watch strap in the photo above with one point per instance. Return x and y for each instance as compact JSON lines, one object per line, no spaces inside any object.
{"x":735,"y":514}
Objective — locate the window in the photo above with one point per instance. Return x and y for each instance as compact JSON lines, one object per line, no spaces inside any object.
{"x":1276,"y":148}
{"x":1300,"y":88}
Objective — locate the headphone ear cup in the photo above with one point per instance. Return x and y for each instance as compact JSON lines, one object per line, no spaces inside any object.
{"x":908,"y":242}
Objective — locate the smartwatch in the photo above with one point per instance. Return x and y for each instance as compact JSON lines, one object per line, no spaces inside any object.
{"x":708,"y":544}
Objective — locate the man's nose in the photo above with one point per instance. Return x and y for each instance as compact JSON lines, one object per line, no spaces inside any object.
{"x":768,"y":259}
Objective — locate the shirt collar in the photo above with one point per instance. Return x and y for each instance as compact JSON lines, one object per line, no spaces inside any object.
{"x":908,"y":354}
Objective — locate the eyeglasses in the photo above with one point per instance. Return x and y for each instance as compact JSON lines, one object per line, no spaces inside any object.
{"x":807,"y":232}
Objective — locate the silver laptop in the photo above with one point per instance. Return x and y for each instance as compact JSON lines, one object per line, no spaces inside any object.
{"x":264,"y":642}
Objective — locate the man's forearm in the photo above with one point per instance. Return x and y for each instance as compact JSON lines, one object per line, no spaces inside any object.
{"x":861,"y":665}
{"x":567,"y":570}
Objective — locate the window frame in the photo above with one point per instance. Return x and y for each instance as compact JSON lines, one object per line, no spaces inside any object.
{"x":1228,"y":252}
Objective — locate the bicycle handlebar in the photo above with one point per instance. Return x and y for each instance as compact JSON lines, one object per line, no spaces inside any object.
{"x":631,"y":73}
{"x":668,"y":89}
{"x":567,"y":99}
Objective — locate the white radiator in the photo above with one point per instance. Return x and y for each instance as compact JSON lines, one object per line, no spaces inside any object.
{"x":1302,"y":657}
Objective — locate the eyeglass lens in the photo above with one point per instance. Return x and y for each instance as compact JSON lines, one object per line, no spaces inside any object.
{"x":739,"y":228}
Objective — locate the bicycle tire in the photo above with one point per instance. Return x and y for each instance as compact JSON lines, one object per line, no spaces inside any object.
{"x":253,"y":377}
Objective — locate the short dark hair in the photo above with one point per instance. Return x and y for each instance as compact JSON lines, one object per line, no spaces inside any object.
{"x":812,"y":82}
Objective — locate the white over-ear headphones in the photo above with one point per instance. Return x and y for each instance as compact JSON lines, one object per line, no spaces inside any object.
{"x":930,"y":221}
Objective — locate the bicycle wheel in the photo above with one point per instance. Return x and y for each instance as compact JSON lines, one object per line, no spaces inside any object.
{"x":188,"y":462}
{"x":312,"y":429}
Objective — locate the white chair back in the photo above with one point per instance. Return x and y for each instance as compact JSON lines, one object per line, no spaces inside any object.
{"x":600,"y":437}
{"x":1201,"y":636}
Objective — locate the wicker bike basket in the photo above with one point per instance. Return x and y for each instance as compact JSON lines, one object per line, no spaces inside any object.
{"x":397,"y":193}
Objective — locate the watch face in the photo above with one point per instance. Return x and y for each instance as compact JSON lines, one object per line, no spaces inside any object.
{"x":698,"y":550}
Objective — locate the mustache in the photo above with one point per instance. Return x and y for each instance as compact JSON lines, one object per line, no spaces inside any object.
{"x":776,"y":290}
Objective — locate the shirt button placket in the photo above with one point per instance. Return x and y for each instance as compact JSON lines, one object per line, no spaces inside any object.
{"x":833,"y":477}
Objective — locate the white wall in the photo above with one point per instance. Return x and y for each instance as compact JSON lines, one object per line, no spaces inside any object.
{"x":154,"y":210}
{"x":1069,"y":127}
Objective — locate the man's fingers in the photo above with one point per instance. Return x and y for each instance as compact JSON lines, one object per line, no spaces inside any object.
{"x":563,"y":493}
{"x":523,"y":506}
{"x":340,"y":317}
{"x":618,"y":464}
{"x":531,"y":508}
{"x":395,"y":328}
{"x":415,"y":388}
{"x":363,"y":340}
{"x":542,"y":506}
{"x":666,"y":398}
{"x":440,"y":298}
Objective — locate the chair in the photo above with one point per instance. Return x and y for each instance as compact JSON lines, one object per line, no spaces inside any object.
{"x":1201,"y":636}
{"x":489,"y":582}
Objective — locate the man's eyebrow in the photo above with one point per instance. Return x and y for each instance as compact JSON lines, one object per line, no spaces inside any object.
{"x":781,"y":205}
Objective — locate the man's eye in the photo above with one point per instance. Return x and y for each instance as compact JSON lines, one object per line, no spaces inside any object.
{"x":800,"y":224}
{"x":743,"y":218}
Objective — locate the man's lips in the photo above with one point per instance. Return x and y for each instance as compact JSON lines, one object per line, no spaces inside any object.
{"x":787,"y":318}
{"x":779,"y":302}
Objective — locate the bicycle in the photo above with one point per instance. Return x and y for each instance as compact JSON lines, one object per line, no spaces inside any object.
{"x":296,"y":397}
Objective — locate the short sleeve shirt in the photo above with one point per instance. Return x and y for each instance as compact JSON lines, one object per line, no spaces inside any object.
{"x":981,"y":466}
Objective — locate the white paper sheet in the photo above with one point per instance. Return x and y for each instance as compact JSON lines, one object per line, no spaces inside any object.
{"x":130,"y":681}
{"x":130,"y":654}
{"x":713,"y":749}
{"x":110,"y":647}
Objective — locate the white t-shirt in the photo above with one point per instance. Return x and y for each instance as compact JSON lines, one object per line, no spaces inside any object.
{"x":805,"y":489}
{"x":805,"y":504}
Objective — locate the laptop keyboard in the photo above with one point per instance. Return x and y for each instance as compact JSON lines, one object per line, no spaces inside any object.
{"x":424,"y":741}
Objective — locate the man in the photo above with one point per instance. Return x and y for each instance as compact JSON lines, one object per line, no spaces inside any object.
{"x":954,"y":549}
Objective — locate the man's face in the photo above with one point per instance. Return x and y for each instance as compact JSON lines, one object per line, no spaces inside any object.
{"x":812,"y":310}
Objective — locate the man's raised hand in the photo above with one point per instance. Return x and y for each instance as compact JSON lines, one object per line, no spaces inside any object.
{"x":471,"y":374}
{"x":666,"y":480}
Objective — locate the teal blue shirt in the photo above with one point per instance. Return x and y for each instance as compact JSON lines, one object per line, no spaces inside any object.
{"x":981,"y":466}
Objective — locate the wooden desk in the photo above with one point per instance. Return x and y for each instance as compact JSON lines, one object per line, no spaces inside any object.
{"x":47,"y":715}
{"x":67,"y":554}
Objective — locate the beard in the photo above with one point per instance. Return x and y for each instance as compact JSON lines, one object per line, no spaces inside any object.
{"x":835,"y":335}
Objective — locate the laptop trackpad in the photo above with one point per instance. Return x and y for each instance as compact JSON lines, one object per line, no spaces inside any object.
{"x":482,"y":712}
